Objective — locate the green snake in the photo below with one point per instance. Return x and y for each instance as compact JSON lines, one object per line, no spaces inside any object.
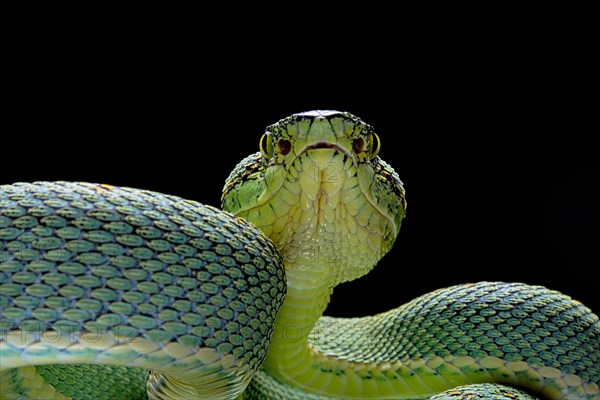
{"x":118,"y":293}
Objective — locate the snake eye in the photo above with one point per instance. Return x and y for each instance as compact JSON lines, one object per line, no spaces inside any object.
{"x":358,"y":145}
{"x":284,"y":146}
{"x":375,"y":144}
{"x":265,"y":145}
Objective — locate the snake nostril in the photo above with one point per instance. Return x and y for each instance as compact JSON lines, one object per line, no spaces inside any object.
{"x":284,"y":146}
{"x":358,"y":145}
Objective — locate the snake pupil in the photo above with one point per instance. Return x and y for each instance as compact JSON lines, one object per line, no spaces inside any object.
{"x":284,"y":146}
{"x":358,"y":145}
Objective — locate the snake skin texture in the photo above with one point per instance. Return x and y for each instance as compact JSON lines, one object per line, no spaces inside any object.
{"x":524,"y":336}
{"x":263,"y":387}
{"x":79,"y":381}
{"x":483,"y":391}
{"x":168,"y":278}
{"x":511,"y":321}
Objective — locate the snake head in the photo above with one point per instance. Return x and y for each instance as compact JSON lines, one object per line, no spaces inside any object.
{"x":319,"y":190}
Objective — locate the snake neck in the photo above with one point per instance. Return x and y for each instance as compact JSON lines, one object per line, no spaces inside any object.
{"x":295,"y":361}
{"x":291,"y":356}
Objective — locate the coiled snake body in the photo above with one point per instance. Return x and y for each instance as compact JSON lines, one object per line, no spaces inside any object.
{"x":118,"y":293}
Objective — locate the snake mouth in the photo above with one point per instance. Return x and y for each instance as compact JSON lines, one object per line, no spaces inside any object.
{"x":326,"y":145}
{"x":321,"y":145}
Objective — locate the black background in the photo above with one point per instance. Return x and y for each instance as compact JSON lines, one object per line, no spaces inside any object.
{"x":500,"y":186}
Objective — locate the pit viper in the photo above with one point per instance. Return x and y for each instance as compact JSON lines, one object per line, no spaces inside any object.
{"x":119,"y":293}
